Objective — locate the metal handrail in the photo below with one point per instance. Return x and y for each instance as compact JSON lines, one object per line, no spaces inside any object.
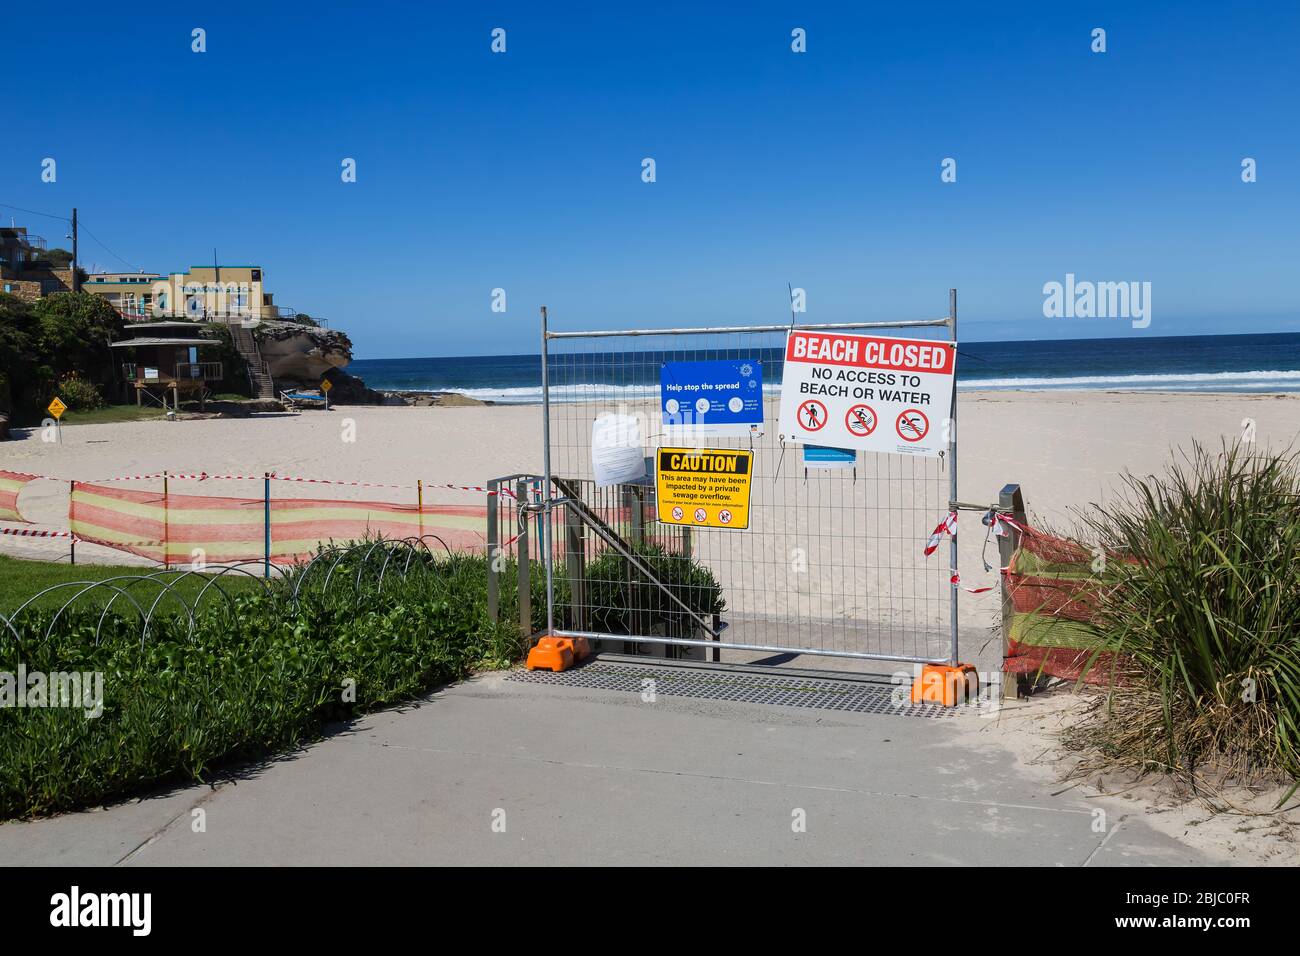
{"x":615,"y":541}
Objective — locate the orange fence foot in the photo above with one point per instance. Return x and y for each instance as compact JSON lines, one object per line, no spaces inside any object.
{"x":557,"y":653}
{"x":946,"y":684}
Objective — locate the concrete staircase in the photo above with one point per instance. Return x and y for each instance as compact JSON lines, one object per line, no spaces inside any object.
{"x":259,"y":374}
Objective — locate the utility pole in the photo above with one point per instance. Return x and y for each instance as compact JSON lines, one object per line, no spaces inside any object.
{"x":76,"y":282}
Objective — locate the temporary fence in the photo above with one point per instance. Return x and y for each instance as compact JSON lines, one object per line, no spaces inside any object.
{"x":1050,"y":595}
{"x":828,"y":562}
{"x":172,"y":527}
{"x":11,"y":483}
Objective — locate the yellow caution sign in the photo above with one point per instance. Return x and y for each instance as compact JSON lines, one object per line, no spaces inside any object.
{"x":56,"y":407}
{"x":705,"y":487}
{"x":326,"y":385}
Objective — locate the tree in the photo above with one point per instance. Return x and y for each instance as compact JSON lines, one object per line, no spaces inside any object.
{"x":57,"y":258}
{"x":74,"y":331}
{"x":18,"y":358}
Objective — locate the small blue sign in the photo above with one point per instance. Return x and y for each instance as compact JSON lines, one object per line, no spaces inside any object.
{"x":820,"y":456}
{"x":712,"y":394}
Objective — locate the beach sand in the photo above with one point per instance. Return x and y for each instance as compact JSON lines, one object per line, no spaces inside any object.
{"x":796,"y":577}
{"x":1065,"y":450}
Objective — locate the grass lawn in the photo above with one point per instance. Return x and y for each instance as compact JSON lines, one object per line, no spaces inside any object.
{"x":114,"y":413}
{"x":20,"y":579}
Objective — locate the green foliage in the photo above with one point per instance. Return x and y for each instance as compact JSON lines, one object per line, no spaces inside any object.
{"x":18,"y":354}
{"x":1206,"y":613}
{"x":75,"y":329}
{"x":234,"y":368}
{"x":625,"y":601}
{"x":250,"y":679}
{"x":78,"y":394}
{"x":39,"y":344}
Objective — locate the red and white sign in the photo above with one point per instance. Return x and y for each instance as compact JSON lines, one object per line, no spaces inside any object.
{"x":860,"y":420}
{"x":837,"y":388}
{"x":912,"y":425}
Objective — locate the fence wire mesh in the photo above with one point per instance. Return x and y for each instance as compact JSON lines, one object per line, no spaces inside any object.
{"x":831,"y":563}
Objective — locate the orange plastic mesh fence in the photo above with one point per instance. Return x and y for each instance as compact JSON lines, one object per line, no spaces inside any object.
{"x":173,"y":527}
{"x":11,"y":484}
{"x":1054,"y":594}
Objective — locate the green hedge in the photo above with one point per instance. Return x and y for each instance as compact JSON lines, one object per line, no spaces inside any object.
{"x":250,"y":680}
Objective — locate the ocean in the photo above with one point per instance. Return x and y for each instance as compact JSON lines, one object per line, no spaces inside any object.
{"x":1194,"y":363}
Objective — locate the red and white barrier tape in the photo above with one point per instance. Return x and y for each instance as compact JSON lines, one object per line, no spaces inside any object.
{"x":204,"y":476}
{"x":956,"y":579}
{"x":29,"y":533}
{"x":948,"y":525}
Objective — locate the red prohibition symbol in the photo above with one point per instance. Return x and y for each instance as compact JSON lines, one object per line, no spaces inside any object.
{"x":860,"y":420}
{"x":812,"y":415}
{"x":912,"y":425}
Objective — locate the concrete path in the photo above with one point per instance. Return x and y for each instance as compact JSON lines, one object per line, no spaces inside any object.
{"x":584,"y":776}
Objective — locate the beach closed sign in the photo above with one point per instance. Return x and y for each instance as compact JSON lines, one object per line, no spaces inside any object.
{"x":704,"y":487}
{"x":867,"y":391}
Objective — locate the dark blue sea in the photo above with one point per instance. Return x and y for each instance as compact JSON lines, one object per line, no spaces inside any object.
{"x":1195,"y":363}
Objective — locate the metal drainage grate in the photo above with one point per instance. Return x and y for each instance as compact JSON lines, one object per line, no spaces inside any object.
{"x":784,"y":691}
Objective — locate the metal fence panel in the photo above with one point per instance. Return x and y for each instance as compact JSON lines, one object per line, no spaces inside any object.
{"x":831,"y":564}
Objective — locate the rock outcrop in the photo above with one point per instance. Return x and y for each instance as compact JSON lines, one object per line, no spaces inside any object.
{"x":301,"y":353}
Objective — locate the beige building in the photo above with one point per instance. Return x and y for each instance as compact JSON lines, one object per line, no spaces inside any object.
{"x":212,"y":293}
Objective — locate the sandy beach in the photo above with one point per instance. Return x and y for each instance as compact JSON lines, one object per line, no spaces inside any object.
{"x":1066,"y":449}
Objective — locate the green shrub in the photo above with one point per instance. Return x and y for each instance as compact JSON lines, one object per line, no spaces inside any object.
{"x":78,"y":394}
{"x":256,"y":676}
{"x":1205,"y":614}
{"x":624,"y":601}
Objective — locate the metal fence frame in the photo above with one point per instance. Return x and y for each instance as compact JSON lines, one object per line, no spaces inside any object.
{"x":550,"y":501}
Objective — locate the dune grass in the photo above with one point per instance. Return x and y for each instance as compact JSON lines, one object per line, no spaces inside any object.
{"x":1206,"y":618}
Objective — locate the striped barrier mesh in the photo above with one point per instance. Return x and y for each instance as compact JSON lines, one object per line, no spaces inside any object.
{"x":171,"y":527}
{"x":1054,"y":594}
{"x":11,"y":483}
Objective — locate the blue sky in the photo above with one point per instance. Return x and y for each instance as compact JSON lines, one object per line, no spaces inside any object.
{"x":523,"y":170}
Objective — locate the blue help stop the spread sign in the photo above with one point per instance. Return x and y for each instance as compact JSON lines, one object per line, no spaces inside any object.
{"x":714,"y":397}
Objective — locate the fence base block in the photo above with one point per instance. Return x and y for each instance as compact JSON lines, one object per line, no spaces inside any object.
{"x":557,"y":653}
{"x":946,"y":684}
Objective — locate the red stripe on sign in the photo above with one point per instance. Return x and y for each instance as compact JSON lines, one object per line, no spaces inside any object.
{"x":869,"y":351}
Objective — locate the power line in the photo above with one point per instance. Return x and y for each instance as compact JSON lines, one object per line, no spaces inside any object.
{"x":33,"y":212}
{"x":82,"y":225}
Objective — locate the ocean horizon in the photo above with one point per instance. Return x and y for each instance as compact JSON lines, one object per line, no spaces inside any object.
{"x":1237,"y":364}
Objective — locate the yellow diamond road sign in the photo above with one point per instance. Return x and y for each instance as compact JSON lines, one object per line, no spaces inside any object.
{"x":57,"y":408}
{"x":326,"y":385}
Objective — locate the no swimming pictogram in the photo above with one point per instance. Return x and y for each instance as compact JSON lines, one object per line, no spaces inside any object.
{"x":912,"y":425}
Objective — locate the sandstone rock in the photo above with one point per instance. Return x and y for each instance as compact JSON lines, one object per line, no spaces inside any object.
{"x":302,"y":353}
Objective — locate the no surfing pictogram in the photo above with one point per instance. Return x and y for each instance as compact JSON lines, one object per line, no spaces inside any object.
{"x":812,"y":415}
{"x":860,"y":420}
{"x":912,"y":425}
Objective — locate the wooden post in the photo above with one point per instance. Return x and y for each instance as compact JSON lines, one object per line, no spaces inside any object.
{"x":493,"y":550}
{"x":575,"y":567}
{"x":1011,"y":502}
{"x":525,"y":592}
{"x":266,"y":524}
{"x":419,"y":491}
{"x":166,"y":530}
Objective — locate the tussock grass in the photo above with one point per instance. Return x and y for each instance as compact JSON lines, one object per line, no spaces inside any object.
{"x":1206,"y":616}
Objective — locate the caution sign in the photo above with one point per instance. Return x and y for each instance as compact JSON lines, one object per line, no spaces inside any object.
{"x":867,"y":391}
{"x":705,"y":487}
{"x":56,"y":407}
{"x":326,"y":385}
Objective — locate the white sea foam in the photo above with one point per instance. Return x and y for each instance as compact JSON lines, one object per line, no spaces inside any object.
{"x":1263,"y":380}
{"x":1259,"y":380}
